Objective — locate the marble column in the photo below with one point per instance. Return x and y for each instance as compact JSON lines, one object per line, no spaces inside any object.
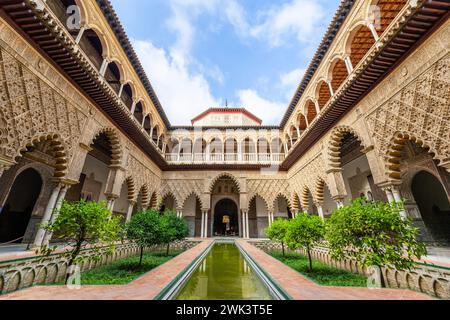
{"x":59,"y":202}
{"x":206,"y":224}
{"x":131,"y":205}
{"x":39,"y":238}
{"x":320,"y":211}
{"x":202,"y":231}
{"x":398,"y":199}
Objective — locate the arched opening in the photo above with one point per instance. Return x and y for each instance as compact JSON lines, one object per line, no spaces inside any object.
{"x":113,"y":76}
{"x":294,"y":135}
{"x":249,"y":149}
{"x":199,"y":150}
{"x":173,"y":148}
{"x":311,"y":111}
{"x":186,"y":150}
{"x":324,"y":197}
{"x":148,"y":124}
{"x":225,"y":188}
{"x":281,"y":208}
{"x":92,"y":46}
{"x":139,"y":112}
{"x":215,"y":150}
{"x":296,"y":204}
{"x":126,"y":195}
{"x":361,"y":42}
{"x":169,"y":203}
{"x":277,"y":146}
{"x":355,"y":167}
{"x":383,"y":12}
{"x":308,"y":202}
{"x":301,"y":122}
{"x":94,"y":176}
{"x":263,"y":150}
{"x":161,"y":140}
{"x":258,"y":217}
{"x":153,"y":201}
{"x":192,"y":213}
{"x":323,"y":94}
{"x":433,"y":203}
{"x":226,"y":218}
{"x":288,"y":142}
{"x":20,"y":186}
{"x":127,"y":96}
{"x":339,"y":73}
{"x":142,"y":200}
{"x":231,"y":150}
{"x":19,"y":206}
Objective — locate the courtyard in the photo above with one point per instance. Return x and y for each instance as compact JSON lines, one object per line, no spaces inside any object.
{"x":224,"y":151}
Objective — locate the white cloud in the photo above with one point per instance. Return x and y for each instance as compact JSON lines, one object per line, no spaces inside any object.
{"x":299,"y":18}
{"x":289,"y":81}
{"x":270,"y":112}
{"x":183,"y":95}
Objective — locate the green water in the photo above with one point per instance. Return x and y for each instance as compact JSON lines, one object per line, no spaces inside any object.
{"x":224,"y":275}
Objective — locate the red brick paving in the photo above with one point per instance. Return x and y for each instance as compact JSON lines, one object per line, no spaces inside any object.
{"x":301,"y":288}
{"x":146,"y":287}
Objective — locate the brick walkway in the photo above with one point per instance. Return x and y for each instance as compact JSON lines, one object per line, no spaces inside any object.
{"x":301,"y":288}
{"x":144,"y":288}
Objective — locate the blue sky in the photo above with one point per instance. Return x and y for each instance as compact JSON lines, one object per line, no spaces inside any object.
{"x":197,"y":53}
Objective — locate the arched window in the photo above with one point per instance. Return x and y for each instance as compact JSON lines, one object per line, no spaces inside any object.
{"x":92,"y":46}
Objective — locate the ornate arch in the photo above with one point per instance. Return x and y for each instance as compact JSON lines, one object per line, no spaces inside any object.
{"x":169,"y":193}
{"x":305,"y":197}
{"x":223,"y":175}
{"x":57,"y":147}
{"x":282,"y":195}
{"x":256,"y":195}
{"x":196,"y":195}
{"x":394,"y":150}
{"x":334,"y":145}
{"x":116,"y":146}
{"x":320,"y":189}
{"x":131,"y":188}
{"x":145,"y":195}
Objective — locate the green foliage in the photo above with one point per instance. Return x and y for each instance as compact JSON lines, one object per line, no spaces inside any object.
{"x":374,"y":234}
{"x":174,"y":228}
{"x":145,"y":230}
{"x":277,"y":231}
{"x":125,"y":270}
{"x":322,"y":274}
{"x":304,"y":232}
{"x":82,"y":224}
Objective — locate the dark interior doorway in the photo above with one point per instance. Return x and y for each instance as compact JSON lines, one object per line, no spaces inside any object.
{"x":19,"y":205}
{"x":226,"y":219}
{"x":433,"y":204}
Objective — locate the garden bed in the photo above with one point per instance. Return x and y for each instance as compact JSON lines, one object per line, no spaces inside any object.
{"x":322,"y":274}
{"x":125,"y":270}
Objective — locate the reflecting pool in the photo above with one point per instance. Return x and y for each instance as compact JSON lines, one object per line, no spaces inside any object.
{"x":224,"y":275}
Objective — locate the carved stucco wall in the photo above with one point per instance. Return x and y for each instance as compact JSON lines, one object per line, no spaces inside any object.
{"x":39,"y":104}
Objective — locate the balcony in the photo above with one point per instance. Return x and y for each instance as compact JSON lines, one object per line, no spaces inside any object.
{"x":225,"y":158}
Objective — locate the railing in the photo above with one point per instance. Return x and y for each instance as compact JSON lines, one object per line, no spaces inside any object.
{"x":225,"y":158}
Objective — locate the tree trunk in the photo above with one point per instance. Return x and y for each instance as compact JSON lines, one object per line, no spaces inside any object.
{"x":282,"y":246}
{"x":73,"y":256}
{"x":140,"y":258}
{"x":310,"y":259}
{"x":168,"y":248}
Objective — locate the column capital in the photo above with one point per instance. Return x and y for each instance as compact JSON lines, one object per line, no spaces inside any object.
{"x":85,"y":147}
